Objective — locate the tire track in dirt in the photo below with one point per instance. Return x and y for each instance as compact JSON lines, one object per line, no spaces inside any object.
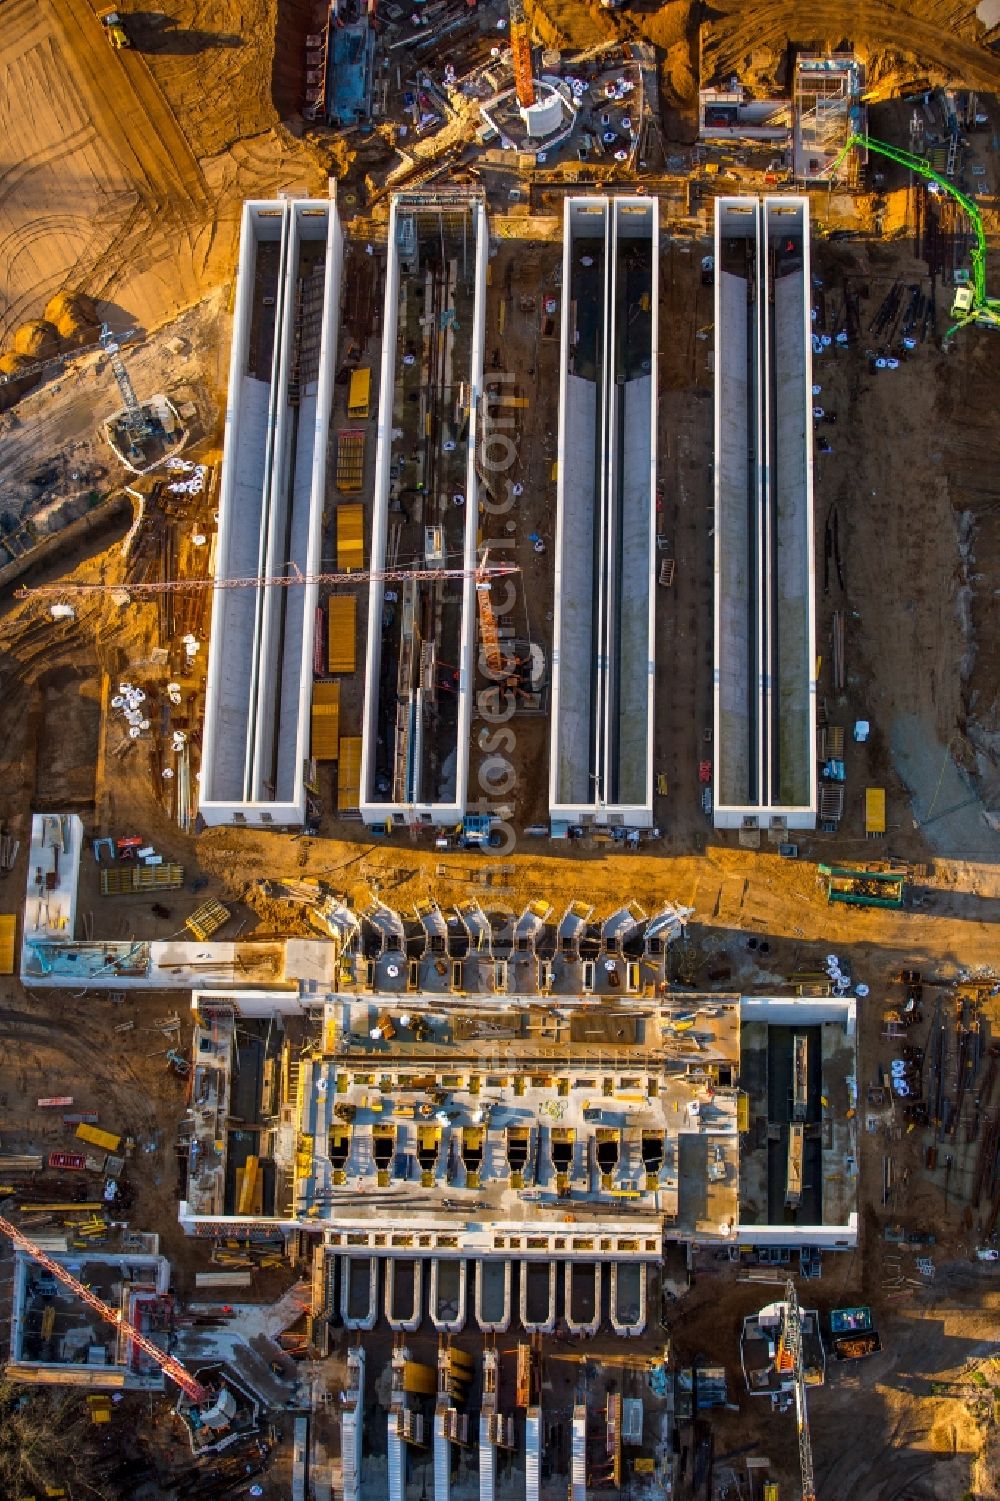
{"x":130,"y":112}
{"x":735,"y":30}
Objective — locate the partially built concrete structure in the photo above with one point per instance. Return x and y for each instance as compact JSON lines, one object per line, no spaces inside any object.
{"x":601,"y":764}
{"x":765,"y":597}
{"x":421,"y":631}
{"x":257,"y":699}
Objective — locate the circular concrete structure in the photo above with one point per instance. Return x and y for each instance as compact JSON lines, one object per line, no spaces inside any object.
{"x":544,"y":117}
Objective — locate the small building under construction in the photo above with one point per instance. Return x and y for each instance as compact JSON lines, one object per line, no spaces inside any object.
{"x":603,"y":663}
{"x":57,"y":1340}
{"x":421,"y":630}
{"x":260,"y":669}
{"x":765,"y":595}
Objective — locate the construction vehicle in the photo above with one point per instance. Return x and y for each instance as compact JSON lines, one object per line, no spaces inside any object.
{"x":114,"y":30}
{"x":178,"y":1064}
{"x":862,"y":887}
{"x":970,"y":304}
{"x":853,"y":1335}
{"x":198,"y":1394}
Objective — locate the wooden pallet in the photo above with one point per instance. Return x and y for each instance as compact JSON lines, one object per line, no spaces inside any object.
{"x":207,"y":919}
{"x":832,"y":742}
{"x":130,"y":880}
{"x":350,"y":460}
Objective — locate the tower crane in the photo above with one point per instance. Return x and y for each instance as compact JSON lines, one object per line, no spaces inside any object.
{"x":168,"y":1365}
{"x":791,"y":1348}
{"x":520,"y":48}
{"x":483,"y":574}
{"x":971,"y":304}
{"x":135,"y":421}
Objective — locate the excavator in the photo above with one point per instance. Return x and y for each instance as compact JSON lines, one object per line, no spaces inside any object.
{"x":970,"y":303}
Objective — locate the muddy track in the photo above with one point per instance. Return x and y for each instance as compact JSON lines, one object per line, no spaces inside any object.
{"x":735,"y":30}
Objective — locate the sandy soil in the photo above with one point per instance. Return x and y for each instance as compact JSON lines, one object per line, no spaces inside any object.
{"x":126,"y":171}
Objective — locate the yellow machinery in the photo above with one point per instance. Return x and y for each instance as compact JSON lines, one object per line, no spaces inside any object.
{"x":115,"y":30}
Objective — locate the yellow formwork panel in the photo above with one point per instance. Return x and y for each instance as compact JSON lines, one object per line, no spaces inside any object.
{"x":326,"y":720}
{"x":349,"y":774}
{"x":8,"y":935}
{"x":342,"y":633}
{"x":350,"y":536}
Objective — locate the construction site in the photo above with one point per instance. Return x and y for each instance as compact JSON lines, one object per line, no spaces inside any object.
{"x":499,"y":802}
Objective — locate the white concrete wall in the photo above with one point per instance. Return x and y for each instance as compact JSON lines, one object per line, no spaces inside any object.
{"x":240,"y":488}
{"x":637,"y":644}
{"x":765,"y":630}
{"x":260,"y":660}
{"x":574,"y":604}
{"x":602,"y":699}
{"x":734,"y":588}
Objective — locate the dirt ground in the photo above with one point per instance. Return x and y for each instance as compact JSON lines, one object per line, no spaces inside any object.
{"x":123,"y":178}
{"x":125,"y":171}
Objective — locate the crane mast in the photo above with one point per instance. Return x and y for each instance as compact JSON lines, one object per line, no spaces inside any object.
{"x":792,"y":1339}
{"x":520,"y":47}
{"x":168,"y":1365}
{"x":135,"y":418}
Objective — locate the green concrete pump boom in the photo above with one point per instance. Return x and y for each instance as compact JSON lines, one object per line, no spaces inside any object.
{"x":981,"y":307}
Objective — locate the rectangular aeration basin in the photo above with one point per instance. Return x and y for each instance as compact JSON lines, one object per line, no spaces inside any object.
{"x":765,"y":597}
{"x":260,"y":666}
{"x":601,"y":766}
{"x":421,"y":631}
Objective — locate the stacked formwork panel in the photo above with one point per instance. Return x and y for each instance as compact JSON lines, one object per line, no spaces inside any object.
{"x":601,"y":765}
{"x":765,"y":597}
{"x":421,"y":633}
{"x":259,"y":685}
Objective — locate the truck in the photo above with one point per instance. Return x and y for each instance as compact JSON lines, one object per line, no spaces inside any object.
{"x":99,"y":1138}
{"x":863,"y":887}
{"x":853,"y":1334}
